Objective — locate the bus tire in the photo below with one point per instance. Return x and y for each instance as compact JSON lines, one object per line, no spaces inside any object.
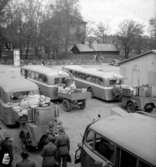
{"x":83,"y":104}
{"x":149,"y":107}
{"x":90,"y":90}
{"x":66,"y":105}
{"x":130,"y":106}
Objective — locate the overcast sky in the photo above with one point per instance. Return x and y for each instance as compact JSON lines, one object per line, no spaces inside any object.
{"x":113,"y":12}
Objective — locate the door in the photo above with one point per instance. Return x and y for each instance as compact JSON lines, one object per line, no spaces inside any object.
{"x":96,"y":151}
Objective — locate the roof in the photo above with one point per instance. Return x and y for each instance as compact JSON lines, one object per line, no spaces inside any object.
{"x":96,"y":48}
{"x":105,"y":48}
{"x":84,"y":48}
{"x":45,"y":70}
{"x":134,"y":132}
{"x":138,"y":56}
{"x":94,"y":72}
{"x":17,"y":84}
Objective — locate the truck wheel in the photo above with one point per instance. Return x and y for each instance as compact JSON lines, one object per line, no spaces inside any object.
{"x":83,"y":104}
{"x":149,"y":108}
{"x":90,"y":91}
{"x":66,"y":105}
{"x":130,"y":107}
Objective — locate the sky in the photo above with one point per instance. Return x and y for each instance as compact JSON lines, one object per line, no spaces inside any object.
{"x":112,"y":12}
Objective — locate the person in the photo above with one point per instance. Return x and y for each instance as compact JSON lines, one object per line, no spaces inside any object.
{"x":49,"y":132}
{"x":25,"y":162}
{"x":63,"y":145}
{"x":6,"y":152}
{"x":49,"y":153}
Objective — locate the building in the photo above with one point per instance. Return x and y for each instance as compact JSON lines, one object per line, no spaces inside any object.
{"x":77,"y":31}
{"x":140,"y":70}
{"x":153,"y":28}
{"x":107,"y":52}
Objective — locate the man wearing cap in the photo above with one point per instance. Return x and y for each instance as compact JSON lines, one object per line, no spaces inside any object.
{"x":63,"y":145}
{"x":6,"y":152}
{"x":49,"y":153}
{"x":25,"y":162}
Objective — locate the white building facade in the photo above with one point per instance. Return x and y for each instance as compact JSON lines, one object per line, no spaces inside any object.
{"x":140,"y":70}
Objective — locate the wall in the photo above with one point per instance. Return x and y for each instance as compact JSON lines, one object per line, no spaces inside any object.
{"x":140,"y":71}
{"x":106,"y":58}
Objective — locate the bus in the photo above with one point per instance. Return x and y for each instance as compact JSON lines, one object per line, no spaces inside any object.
{"x":103,"y":85}
{"x":46,"y":78}
{"x":119,"y":141}
{"x":12,"y":92}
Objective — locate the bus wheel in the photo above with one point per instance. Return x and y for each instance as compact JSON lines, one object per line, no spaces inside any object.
{"x":149,"y":107}
{"x":130,"y":107}
{"x":66,"y":106}
{"x":83,"y":104}
{"x":91,"y":92}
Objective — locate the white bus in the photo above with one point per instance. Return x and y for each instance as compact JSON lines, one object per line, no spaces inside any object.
{"x":46,"y":78}
{"x":119,"y":141}
{"x":103,"y":85}
{"x":12,"y":91}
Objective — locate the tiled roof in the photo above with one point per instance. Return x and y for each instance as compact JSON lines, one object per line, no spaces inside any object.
{"x":96,"y":47}
{"x":105,"y":47}
{"x":84,"y":48}
{"x":138,"y":56}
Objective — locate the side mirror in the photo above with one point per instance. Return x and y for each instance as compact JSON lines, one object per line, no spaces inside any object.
{"x":79,"y":145}
{"x":78,"y":154}
{"x":98,"y":164}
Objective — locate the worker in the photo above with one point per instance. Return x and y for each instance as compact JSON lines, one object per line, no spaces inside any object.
{"x":6,"y":152}
{"x":25,"y":162}
{"x":49,"y":153}
{"x":63,"y":146}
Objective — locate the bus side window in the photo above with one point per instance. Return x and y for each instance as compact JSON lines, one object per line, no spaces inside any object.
{"x":57,"y":81}
{"x":89,"y":139}
{"x":104,"y":147}
{"x":143,"y":164}
{"x":127,"y":159}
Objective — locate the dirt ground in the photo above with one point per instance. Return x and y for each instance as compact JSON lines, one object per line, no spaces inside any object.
{"x":74,"y":123}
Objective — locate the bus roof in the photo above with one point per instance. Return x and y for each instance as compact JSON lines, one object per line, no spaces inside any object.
{"x":17,"y":84}
{"x":95,"y":72}
{"x":45,"y":70}
{"x":134,"y":132}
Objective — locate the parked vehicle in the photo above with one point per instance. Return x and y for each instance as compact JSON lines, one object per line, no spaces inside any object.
{"x":12,"y":91}
{"x":103,"y":85}
{"x":33,"y":134}
{"x":46,"y":78}
{"x":139,"y":98}
{"x":119,"y":141}
{"x":74,"y":98}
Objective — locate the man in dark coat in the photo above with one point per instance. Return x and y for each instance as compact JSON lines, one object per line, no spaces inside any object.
{"x":25,"y":162}
{"x":49,"y":153}
{"x":6,"y":152}
{"x":63,"y":145}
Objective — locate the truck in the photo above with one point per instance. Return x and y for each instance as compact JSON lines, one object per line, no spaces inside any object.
{"x":33,"y":132}
{"x":73,"y":98}
{"x":139,"y":98}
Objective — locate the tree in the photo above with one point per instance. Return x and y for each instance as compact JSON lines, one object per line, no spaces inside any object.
{"x":152,"y":23}
{"x":3,"y":3}
{"x":56,"y":29}
{"x":100,"y":32}
{"x":23,"y":21}
{"x":129,"y":34}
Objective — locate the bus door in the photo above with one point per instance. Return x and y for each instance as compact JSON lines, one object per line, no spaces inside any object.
{"x":96,"y":151}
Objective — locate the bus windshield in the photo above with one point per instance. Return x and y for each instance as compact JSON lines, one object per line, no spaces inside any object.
{"x":115,"y":82}
{"x":18,"y":96}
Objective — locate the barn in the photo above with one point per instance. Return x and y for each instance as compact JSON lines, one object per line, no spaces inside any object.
{"x":106,"y":52}
{"x":140,"y":70}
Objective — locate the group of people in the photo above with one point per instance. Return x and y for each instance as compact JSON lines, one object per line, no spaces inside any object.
{"x":55,"y":152}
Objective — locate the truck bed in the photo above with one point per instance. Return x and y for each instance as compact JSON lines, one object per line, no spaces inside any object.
{"x":73,"y":95}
